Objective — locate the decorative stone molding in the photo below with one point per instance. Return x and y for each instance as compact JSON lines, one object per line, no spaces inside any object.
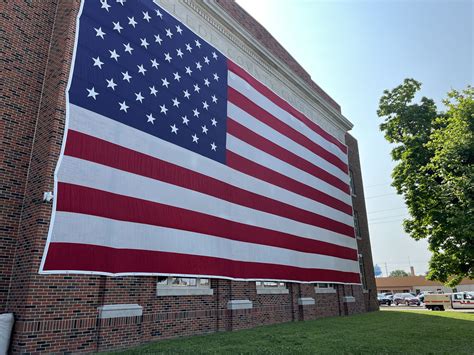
{"x":119,"y":310}
{"x":216,"y":26}
{"x":272,"y":291}
{"x":183,"y":291}
{"x":239,"y":304}
{"x":348,"y":299}
{"x":306,"y":301}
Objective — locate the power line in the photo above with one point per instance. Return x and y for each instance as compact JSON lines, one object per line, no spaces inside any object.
{"x":374,"y":185}
{"x":388,"y":209}
{"x":395,"y":220}
{"x":377,"y":219}
{"x":389,"y":194}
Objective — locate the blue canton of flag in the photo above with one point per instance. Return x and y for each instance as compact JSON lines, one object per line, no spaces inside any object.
{"x":144,"y":69}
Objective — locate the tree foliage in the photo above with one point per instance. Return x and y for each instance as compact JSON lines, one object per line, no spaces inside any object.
{"x":398,"y":273}
{"x":434,"y":152}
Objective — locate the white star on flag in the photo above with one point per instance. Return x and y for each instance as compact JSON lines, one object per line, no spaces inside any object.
{"x":92,"y":93}
{"x":117,"y":26}
{"x":97,"y":62}
{"x":154,"y":63}
{"x":153,"y":91}
{"x":99,"y":32}
{"x":150,"y":118}
{"x":110,"y":83}
{"x":141,"y":69}
{"x":105,"y":5}
{"x":144,"y":43}
{"x":132,"y":22}
{"x":114,"y":55}
{"x":128,"y":48}
{"x":146,"y":16}
{"x":123,"y":106}
{"x":139,"y":97}
{"x":126,"y":76}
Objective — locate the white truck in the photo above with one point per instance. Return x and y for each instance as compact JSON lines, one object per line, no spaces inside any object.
{"x":458,"y":300}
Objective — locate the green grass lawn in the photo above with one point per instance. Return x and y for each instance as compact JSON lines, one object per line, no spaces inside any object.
{"x":384,"y":332}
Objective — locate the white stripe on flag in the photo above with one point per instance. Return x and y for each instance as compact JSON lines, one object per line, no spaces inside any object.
{"x":79,"y":228}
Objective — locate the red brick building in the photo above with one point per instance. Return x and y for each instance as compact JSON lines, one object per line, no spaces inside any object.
{"x":82,"y":313}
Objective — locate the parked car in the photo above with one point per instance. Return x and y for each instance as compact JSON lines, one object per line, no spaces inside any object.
{"x":405,"y":298}
{"x":384,"y":298}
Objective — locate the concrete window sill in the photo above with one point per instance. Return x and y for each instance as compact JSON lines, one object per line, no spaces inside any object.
{"x":306,"y":301}
{"x":348,"y":299}
{"x":119,"y":310}
{"x":184,"y":291}
{"x":239,"y":304}
{"x":272,"y":291}
{"x":324,"y":290}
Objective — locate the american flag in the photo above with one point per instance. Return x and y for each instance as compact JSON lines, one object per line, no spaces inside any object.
{"x":178,"y":162}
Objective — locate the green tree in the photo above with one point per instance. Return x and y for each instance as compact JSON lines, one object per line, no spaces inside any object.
{"x":434,"y":152}
{"x":398,"y":273}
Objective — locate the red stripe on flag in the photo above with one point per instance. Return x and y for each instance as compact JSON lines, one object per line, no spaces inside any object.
{"x":72,"y":256}
{"x":259,"y":142}
{"x":86,"y":147}
{"x":283,"y":104}
{"x":251,"y":168}
{"x":278,"y":125}
{"x":84,"y":200}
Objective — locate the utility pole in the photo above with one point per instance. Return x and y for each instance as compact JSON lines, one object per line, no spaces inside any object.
{"x":386,"y":269}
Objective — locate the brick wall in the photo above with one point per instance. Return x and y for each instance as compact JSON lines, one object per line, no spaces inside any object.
{"x":58,"y":313}
{"x":25,"y":34}
{"x":363,"y":244}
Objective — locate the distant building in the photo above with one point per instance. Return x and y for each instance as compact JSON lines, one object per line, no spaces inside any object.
{"x":418,"y":284}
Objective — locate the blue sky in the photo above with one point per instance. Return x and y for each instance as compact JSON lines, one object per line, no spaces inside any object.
{"x":356,"y":49}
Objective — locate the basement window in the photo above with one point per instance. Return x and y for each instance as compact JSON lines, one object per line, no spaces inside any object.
{"x":183,"y":286}
{"x":271,"y":287}
{"x":324,"y":288}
